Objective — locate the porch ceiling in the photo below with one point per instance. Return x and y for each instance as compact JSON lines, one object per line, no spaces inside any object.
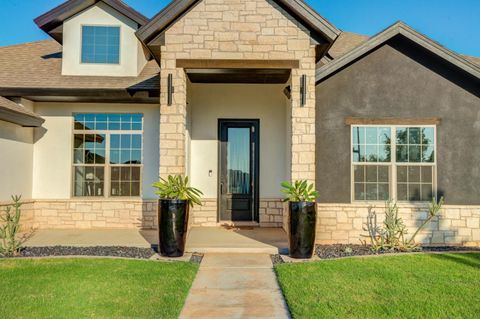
{"x":253,"y":76}
{"x":238,"y":71}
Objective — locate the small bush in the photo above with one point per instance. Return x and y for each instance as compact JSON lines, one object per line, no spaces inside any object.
{"x":299,"y":191}
{"x":391,"y":236}
{"x":10,"y":243}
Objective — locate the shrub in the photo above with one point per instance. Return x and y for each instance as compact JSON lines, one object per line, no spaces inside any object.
{"x":10,"y":243}
{"x":391,"y":236}
{"x":176,"y":188}
{"x":299,"y":191}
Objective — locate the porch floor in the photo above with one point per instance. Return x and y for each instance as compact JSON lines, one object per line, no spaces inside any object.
{"x":237,"y":240}
{"x":200,"y":239}
{"x":91,"y":238}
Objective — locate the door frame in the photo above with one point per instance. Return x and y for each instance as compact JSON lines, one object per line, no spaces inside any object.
{"x":256,"y":164}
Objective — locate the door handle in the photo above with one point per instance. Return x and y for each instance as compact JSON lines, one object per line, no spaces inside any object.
{"x":221,"y":188}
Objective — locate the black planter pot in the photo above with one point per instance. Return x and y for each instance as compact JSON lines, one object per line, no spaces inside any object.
{"x":173,"y":226}
{"x":302,"y":225}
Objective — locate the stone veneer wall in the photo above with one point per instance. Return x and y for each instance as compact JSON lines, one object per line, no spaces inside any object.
{"x":89,"y":214}
{"x":456,"y":225}
{"x":133,"y":214}
{"x":205,"y":215}
{"x":28,"y":216}
{"x":271,"y":213}
{"x":237,"y":29}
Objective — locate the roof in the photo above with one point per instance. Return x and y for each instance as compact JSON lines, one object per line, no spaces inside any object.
{"x":36,"y":68}
{"x":17,"y":114}
{"x":473,"y":59}
{"x":346,"y":42}
{"x":52,"y":21}
{"x":398,"y":28}
{"x":297,"y":8}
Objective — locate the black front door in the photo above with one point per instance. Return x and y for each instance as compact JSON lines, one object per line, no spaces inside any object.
{"x":239,"y":170}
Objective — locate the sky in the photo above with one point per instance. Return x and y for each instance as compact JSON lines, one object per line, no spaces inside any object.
{"x":453,"y":23}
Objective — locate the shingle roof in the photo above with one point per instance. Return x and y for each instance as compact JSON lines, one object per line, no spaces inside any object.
{"x":51,"y":22}
{"x":398,"y":28}
{"x":39,"y":65}
{"x":12,"y":112}
{"x":473,"y":59}
{"x":346,"y":42}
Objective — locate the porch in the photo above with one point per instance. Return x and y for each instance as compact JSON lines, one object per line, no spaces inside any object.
{"x":199,"y":240}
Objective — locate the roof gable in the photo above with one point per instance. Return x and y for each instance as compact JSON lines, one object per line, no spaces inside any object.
{"x":399,"y":28}
{"x":52,"y":21}
{"x":298,"y":9}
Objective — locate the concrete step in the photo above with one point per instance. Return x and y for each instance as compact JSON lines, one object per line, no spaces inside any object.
{"x":217,"y":240}
{"x":236,"y":250}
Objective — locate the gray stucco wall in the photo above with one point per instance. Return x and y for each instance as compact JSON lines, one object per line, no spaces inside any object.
{"x":401,"y":80}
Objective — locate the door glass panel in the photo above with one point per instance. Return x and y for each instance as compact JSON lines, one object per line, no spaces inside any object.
{"x":238,"y":160}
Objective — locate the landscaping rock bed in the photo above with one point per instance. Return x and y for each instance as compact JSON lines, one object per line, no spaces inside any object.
{"x":124,"y":252}
{"x":341,"y":251}
{"x":344,"y":251}
{"x":277,"y":259}
{"x":196,"y":258}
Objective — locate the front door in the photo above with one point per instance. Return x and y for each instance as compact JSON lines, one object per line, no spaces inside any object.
{"x":239,"y":170}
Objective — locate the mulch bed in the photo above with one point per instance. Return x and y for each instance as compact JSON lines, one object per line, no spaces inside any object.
{"x":341,"y":251}
{"x":277,"y":259}
{"x":196,"y":258}
{"x":344,"y":251}
{"x":123,"y":252}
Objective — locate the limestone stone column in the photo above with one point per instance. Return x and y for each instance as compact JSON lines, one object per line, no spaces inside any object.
{"x":302,"y":120}
{"x":172,"y":120}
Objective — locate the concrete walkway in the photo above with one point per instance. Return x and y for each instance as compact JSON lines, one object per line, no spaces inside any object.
{"x":235,"y":286}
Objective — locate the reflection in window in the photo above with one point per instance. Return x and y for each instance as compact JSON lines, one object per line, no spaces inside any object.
{"x":371,"y":144}
{"x":372,"y":182}
{"x":107,"y":143}
{"x":415,"y":145}
{"x":89,"y":181}
{"x":412,"y":166}
{"x":238,"y":160}
{"x":100,"y":44}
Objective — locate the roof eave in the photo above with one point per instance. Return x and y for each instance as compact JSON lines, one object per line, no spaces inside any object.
{"x":19,"y":118}
{"x":398,"y":28}
{"x":51,"y":21}
{"x":80,"y":92}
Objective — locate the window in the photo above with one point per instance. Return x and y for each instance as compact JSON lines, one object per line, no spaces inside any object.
{"x":393,"y":163}
{"x":100,"y":44}
{"x":107,"y":154}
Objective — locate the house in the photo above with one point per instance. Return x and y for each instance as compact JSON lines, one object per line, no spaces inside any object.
{"x":240,"y":96}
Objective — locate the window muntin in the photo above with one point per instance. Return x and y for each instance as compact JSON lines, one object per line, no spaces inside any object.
{"x":107,"y":154}
{"x":408,"y":175}
{"x":100,"y":44}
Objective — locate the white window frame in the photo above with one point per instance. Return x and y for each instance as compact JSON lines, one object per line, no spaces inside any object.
{"x":393,"y":164}
{"x":107,"y":166}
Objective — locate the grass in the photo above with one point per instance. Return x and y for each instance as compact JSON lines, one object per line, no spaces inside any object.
{"x":93,"y":288}
{"x":408,"y":286}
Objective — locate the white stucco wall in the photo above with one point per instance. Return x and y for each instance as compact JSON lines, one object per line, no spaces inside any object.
{"x":210,"y":102}
{"x":16,"y":160}
{"x":52,"y":160}
{"x":132,"y":57}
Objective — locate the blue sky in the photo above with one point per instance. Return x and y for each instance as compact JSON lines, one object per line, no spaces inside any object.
{"x":453,"y":23}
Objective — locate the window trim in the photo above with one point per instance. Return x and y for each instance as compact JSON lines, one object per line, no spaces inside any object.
{"x":393,"y":164}
{"x":119,"y":43}
{"x":107,"y":166}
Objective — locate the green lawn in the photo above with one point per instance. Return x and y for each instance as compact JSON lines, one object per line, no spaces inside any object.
{"x":408,"y":286}
{"x":93,"y":288}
